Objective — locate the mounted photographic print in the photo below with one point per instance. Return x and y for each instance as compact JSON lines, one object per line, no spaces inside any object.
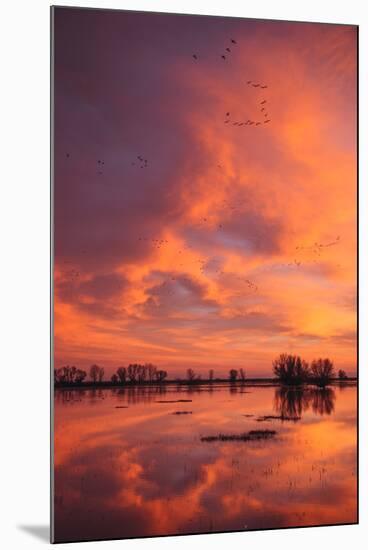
{"x":204,"y":375}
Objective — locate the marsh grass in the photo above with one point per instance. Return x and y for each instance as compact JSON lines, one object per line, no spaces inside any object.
{"x":176,"y":401}
{"x":252,"y":435}
{"x":267,"y":418}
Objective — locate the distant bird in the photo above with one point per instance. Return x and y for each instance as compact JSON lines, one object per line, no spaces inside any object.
{"x":194,"y":56}
{"x":67,"y":155}
{"x":264,"y":87}
{"x":262,"y":109}
{"x":233,"y":41}
{"x":249,"y":82}
{"x":255,"y":85}
{"x":258,"y":123}
{"x":227,"y":114}
{"x":228,"y":50}
{"x":263,"y":102}
{"x":268,"y":120}
{"x":223,"y":57}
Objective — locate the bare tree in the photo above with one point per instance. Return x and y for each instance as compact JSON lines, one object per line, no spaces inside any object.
{"x":80,"y":375}
{"x":132,"y":372}
{"x":291,"y":369}
{"x":191,"y":375}
{"x":233,"y":374}
{"x":242,"y":375}
{"x":101,"y":374}
{"x":211,"y":375}
{"x":121,"y":373}
{"x":69,"y":375}
{"x":141,"y":373}
{"x":322,"y":371}
{"x":342,"y":375}
{"x":94,"y":373}
{"x":151,"y":371}
{"x":114,"y":379}
{"x":161,"y":375}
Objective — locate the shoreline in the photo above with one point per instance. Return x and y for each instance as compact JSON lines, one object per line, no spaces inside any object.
{"x":259,"y":382}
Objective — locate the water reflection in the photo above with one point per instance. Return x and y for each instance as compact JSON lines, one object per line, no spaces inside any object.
{"x":293,"y":402}
{"x":140,"y":470}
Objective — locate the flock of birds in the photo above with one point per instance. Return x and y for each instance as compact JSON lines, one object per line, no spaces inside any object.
{"x":203,"y":265}
{"x":141,"y":162}
{"x":262,"y":105}
{"x":250,"y":122}
{"x":317,"y":248}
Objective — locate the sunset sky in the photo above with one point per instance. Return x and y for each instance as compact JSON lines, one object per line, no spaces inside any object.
{"x":226,"y":244}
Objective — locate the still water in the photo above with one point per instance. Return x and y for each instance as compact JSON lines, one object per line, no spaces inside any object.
{"x":128,"y":465}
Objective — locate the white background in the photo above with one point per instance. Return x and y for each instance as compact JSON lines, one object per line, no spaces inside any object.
{"x":24,"y":272}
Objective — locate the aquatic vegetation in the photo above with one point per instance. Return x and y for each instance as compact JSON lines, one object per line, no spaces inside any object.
{"x":252,"y":435}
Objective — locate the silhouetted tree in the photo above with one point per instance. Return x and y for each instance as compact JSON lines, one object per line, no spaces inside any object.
{"x":191,"y":375}
{"x":342,"y":375}
{"x":69,"y":375}
{"x":322,"y":372}
{"x":58,"y":376}
{"x":211,"y":375}
{"x":80,"y":375}
{"x":141,"y":373}
{"x":151,"y":371}
{"x":233,"y":374}
{"x":121,"y":374}
{"x":291,"y":369}
{"x":242,"y":374}
{"x":160,"y":375}
{"x":114,"y":379}
{"x":101,"y":374}
{"x":132,"y":372}
{"x":94,"y":373}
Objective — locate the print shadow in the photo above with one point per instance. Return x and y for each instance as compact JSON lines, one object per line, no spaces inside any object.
{"x":41,"y":532}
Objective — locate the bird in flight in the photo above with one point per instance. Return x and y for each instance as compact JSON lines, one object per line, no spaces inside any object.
{"x":194,"y":56}
{"x":263,"y":102}
{"x":223,"y":57}
{"x":228,"y":50}
{"x":233,"y":41}
{"x":268,"y":120}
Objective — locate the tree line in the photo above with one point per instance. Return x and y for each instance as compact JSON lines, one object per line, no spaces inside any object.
{"x":133,"y":373}
{"x":290,"y":370}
